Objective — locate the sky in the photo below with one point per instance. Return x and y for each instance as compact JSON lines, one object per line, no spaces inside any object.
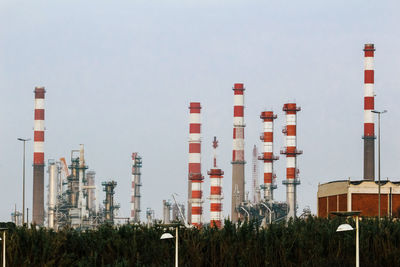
{"x":120,"y":75}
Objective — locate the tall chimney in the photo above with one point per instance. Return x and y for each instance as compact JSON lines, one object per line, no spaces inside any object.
{"x":38,"y":158}
{"x":268,"y":157}
{"x":238,"y":161}
{"x":369,"y":126}
{"x":291,"y":153}
{"x":195,"y":209}
{"x":216,"y":176}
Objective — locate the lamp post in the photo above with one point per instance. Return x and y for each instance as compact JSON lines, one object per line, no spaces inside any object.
{"x":167,"y":236}
{"x":4,"y":245}
{"x":347,"y":227}
{"x":379,"y":161}
{"x":23,"y":181}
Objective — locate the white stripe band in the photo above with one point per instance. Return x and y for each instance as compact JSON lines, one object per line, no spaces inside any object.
{"x":368,"y":63}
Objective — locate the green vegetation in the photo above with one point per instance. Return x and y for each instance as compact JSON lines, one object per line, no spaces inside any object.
{"x":310,"y":242}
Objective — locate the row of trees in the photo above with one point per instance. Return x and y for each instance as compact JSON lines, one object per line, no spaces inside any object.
{"x":309,"y":242}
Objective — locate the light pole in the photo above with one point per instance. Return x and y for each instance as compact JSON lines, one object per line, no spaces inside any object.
{"x":4,"y":245}
{"x":379,"y":161}
{"x":23,"y":181}
{"x":167,"y":236}
{"x":347,"y":227}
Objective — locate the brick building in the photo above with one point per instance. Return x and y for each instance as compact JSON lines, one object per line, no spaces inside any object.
{"x":346,"y":195}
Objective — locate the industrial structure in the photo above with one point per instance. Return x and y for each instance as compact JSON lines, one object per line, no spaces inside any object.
{"x":291,"y":153}
{"x":265,"y":210}
{"x":238,"y":161}
{"x":195,"y":193}
{"x":370,"y":197}
{"x":72,"y":200}
{"x":177,"y":208}
{"x":268,"y":156}
{"x":216,"y":197}
{"x":166,"y":212}
{"x":53,"y":171}
{"x":136,"y":184}
{"x":369,"y":126}
{"x":109,"y":205}
{"x":91,"y":191}
{"x":254,"y":178}
{"x":38,"y":158}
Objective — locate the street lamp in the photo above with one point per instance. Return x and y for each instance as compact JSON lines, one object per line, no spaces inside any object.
{"x":4,"y":245}
{"x":23,"y":181}
{"x":347,"y":227}
{"x":379,"y":161}
{"x":168,"y":236}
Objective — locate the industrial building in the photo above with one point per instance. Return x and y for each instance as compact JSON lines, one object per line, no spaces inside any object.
{"x":346,"y":195}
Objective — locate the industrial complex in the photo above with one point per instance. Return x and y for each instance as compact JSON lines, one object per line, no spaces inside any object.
{"x":73,"y":199}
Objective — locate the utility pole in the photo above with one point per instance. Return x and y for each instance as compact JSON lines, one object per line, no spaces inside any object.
{"x":23,"y":180}
{"x":379,"y":161}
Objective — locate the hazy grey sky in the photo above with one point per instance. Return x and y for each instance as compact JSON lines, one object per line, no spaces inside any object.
{"x":120,"y":75}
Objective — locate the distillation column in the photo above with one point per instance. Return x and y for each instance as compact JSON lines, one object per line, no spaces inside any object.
{"x":38,"y":158}
{"x":82,"y":179}
{"x":136,"y":184}
{"x":255,"y":184}
{"x":195,"y":209}
{"x":369,"y":126}
{"x":216,"y":176}
{"x":238,"y":161}
{"x":268,"y":157}
{"x":291,"y":153}
{"x":53,"y":192}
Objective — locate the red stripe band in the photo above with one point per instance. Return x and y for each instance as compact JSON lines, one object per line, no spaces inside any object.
{"x":368,"y":103}
{"x":38,"y":158}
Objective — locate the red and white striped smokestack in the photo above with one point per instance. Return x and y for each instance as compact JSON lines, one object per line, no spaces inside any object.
{"x":195,"y":177}
{"x":38,"y":158}
{"x":216,"y":176}
{"x":238,"y":161}
{"x":291,"y":153}
{"x":268,"y":157}
{"x":369,"y":126}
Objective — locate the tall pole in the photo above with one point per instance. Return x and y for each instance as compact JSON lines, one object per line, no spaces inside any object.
{"x":4,"y":248}
{"x":23,"y":180}
{"x":379,"y":167}
{"x":176,"y":247}
{"x":379,"y":161}
{"x":357,"y":244}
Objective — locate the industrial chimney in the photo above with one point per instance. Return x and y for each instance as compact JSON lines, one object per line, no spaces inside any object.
{"x":369,"y":126}
{"x":238,"y":161}
{"x":268,"y":157}
{"x":216,"y":176}
{"x":38,"y":158}
{"x":291,"y":153}
{"x":195,"y":202}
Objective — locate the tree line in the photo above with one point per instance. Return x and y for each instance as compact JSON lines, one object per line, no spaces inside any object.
{"x":300,"y":242}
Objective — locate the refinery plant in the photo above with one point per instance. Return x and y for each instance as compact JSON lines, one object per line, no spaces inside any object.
{"x":73,"y":197}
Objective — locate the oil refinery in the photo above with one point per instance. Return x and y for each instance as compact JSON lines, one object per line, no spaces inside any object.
{"x":73,"y":198}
